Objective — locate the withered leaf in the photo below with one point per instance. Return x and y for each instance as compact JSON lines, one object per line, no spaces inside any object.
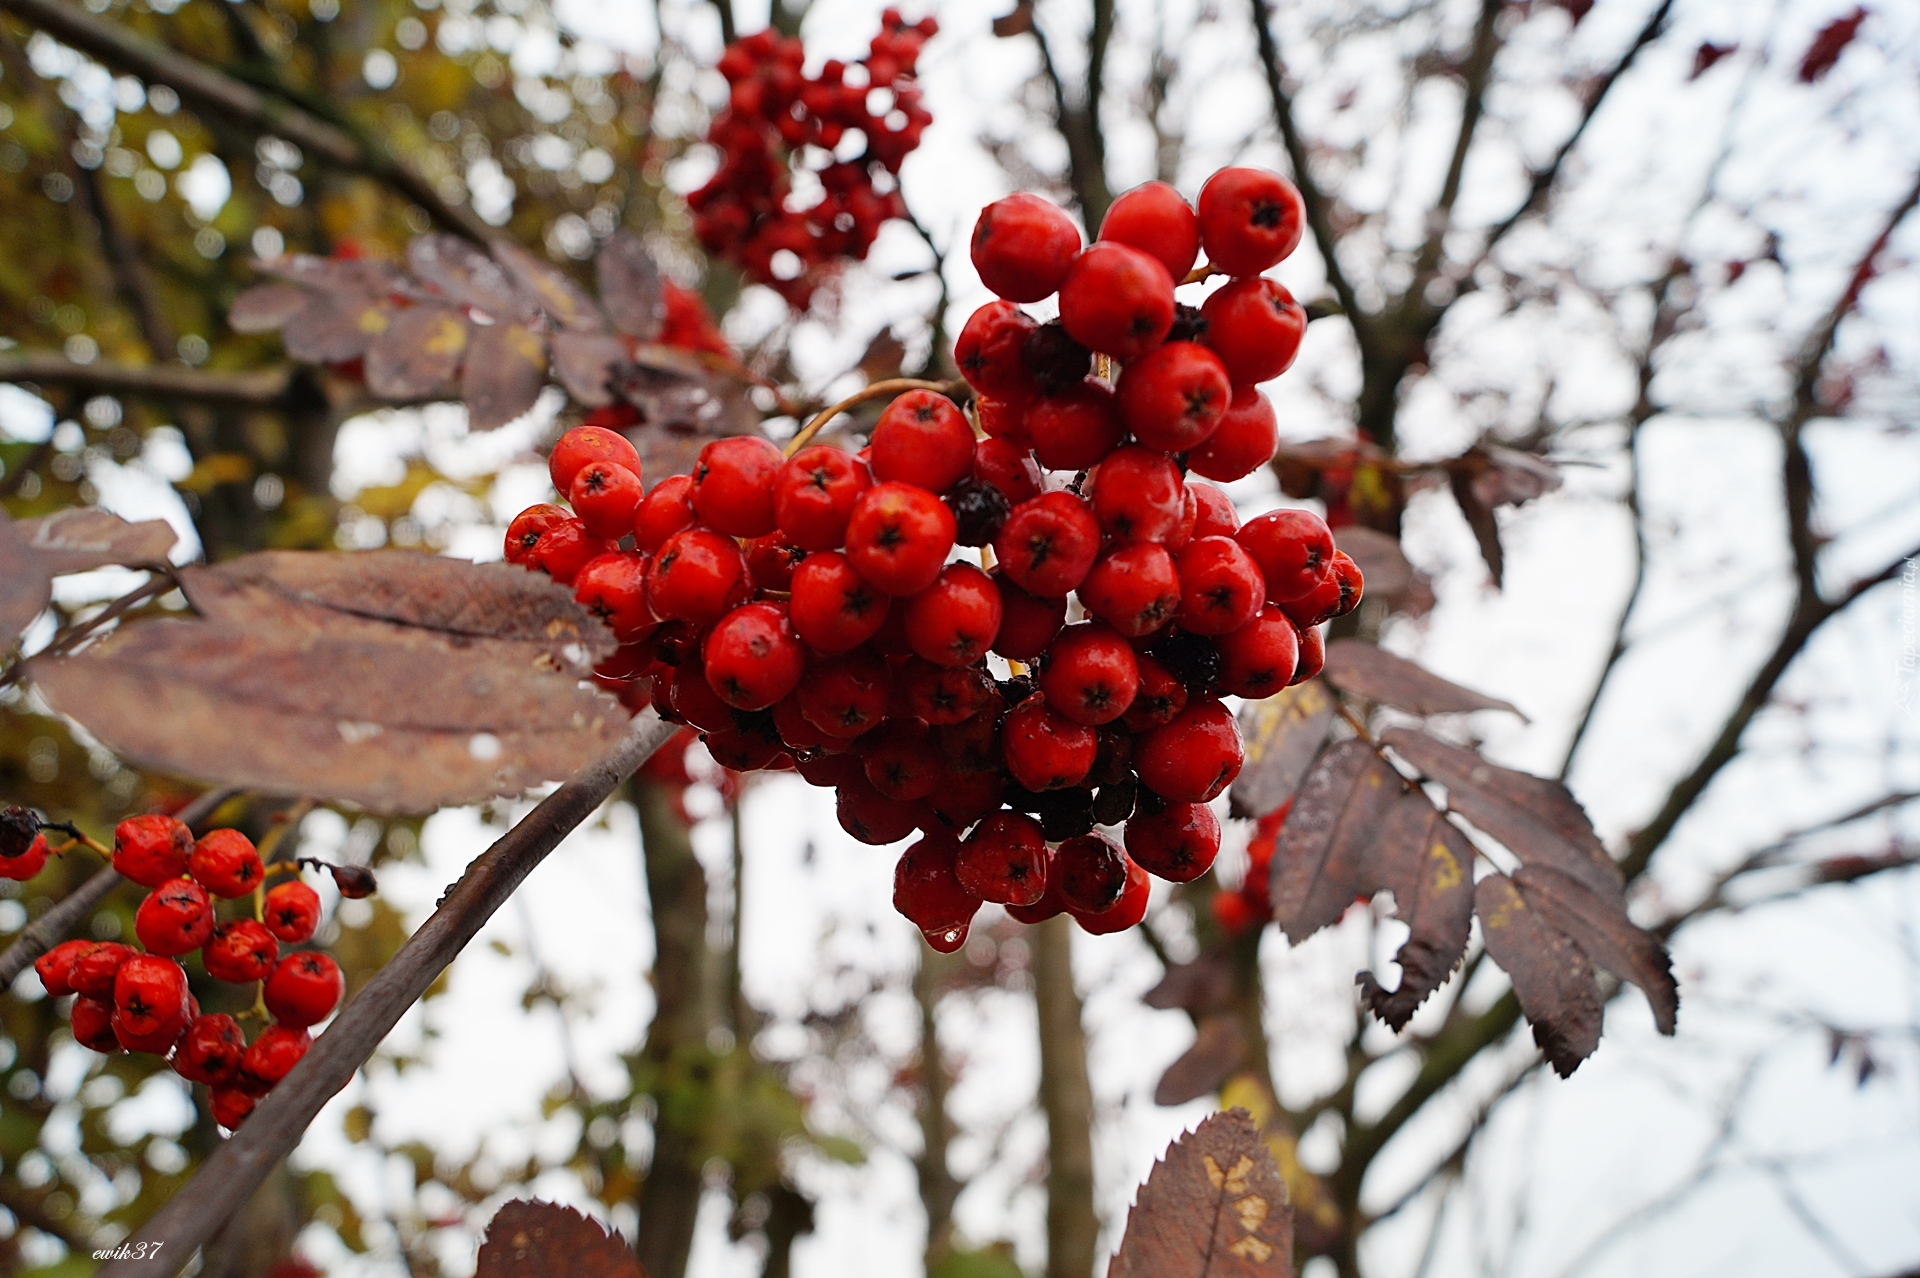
{"x":556,"y":292}
{"x":1319,"y":860}
{"x":368,"y":276}
{"x":336,"y":326}
{"x":883,"y":358}
{"x":401,"y":682}
{"x":1479,"y":515}
{"x":26,"y":587}
{"x":1019,"y":22}
{"x":1379,"y":558}
{"x":466,"y":276}
{"x":1427,"y":863}
{"x":82,"y":538}
{"x":266,"y":307}
{"x":1512,"y":477}
{"x":1283,"y":734}
{"x":545,"y":1240}
{"x":1538,"y":820}
{"x":1213,"y":1207}
{"x":585,"y":363}
{"x":684,"y":405}
{"x":419,"y":352}
{"x":1356,"y":666}
{"x":630,"y":286}
{"x":1215,"y":1055}
{"x":1551,"y":977}
{"x":1204,"y":985}
{"x":505,"y":371}
{"x":1602,"y":929}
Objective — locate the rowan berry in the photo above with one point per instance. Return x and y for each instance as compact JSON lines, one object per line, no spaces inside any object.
{"x":175,"y":917}
{"x":230,"y":1106}
{"x":1214,"y":515}
{"x":846,"y":695}
{"x":753,"y":658}
{"x":989,"y":351}
{"x":665,"y":511}
{"x":928,"y":891}
{"x":584,"y":445}
{"x":1220,"y":586}
{"x":1009,"y":468}
{"x":1045,"y":750}
{"x":93,"y":971}
{"x":1250,"y":219}
{"x":1192,"y":758}
{"x":739,"y":751}
{"x":1091,"y":872}
{"x":91,"y":1020}
{"x":150,"y":994}
{"x":1173,"y":397}
{"x":979,"y":511}
{"x":1259,"y":658}
{"x":898,"y":537}
{"x":304,"y":989}
{"x":832,"y":608}
{"x":1137,"y":494}
{"x":1292,"y":547}
{"x":870,"y":816}
{"x":1189,"y":513}
{"x":151,"y":849}
{"x":1129,"y":910}
{"x":1023,"y":246}
{"x":548,"y":539}
{"x":699,"y":576}
{"x":955,"y":620}
{"x":210,"y":1050}
{"x":1157,"y":220}
{"x":226,"y":863}
{"x":292,"y":912}
{"x":922,"y":439}
{"x":1161,"y":696}
{"x":1004,"y":859}
{"x":694,"y":700}
{"x":55,"y":967}
{"x":606,"y":498}
{"x":733,"y":484}
{"x":1117,"y":300}
{"x":1352,"y":582}
{"x":1255,"y":327}
{"x":1028,"y":622}
{"x":1313,"y":654}
{"x":1076,"y":427}
{"x":18,"y":828}
{"x":29,"y":863}
{"x":613,"y":587}
{"x":271,"y":1057}
{"x":1246,"y":439}
{"x":1133,"y":588}
{"x":814,"y":495}
{"x":962,"y":800}
{"x":1004,"y":419}
{"x":1048,"y":544}
{"x":901,"y":760}
{"x":1049,"y":904}
{"x":1054,"y":360}
{"x":1192,"y":659}
{"x":240,"y":951}
{"x":1176,"y":841}
{"x":972,"y":746}
{"x":1089,"y":674}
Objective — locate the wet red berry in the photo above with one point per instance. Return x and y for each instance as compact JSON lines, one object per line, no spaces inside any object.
{"x":1292,"y":547}
{"x":1255,"y":327}
{"x":92,"y":1023}
{"x":151,"y":849}
{"x":1091,"y":873}
{"x":922,"y":439}
{"x":1089,"y":674}
{"x":150,"y":994}
{"x":240,"y":951}
{"x":1220,"y":586}
{"x":93,"y":972}
{"x":942,"y":694}
{"x":584,"y":445}
{"x":1177,"y":842}
{"x":210,"y":1050}
{"x":1137,"y":494}
{"x":1004,"y":859}
{"x":226,"y":863}
{"x":833,"y":609}
{"x":898,"y":538}
{"x":1133,"y":588}
{"x":304,"y":989}
{"x":928,"y":891}
{"x":1023,"y":246}
{"x":55,"y":967}
{"x":870,"y":816}
{"x":613,"y":587}
{"x":605,"y":497}
{"x":1193,"y":758}
{"x":292,"y":912}
{"x":954,"y":621}
{"x":813,"y":495}
{"x":1173,"y":398}
{"x":1246,"y":439}
{"x":753,"y":658}
{"x":1028,"y":622}
{"x":1313,"y":653}
{"x":1259,"y":658}
{"x":1157,"y":220}
{"x":1045,"y":750}
{"x":733,"y":485}
{"x":272,"y":1057}
{"x":1117,"y":300}
{"x":230,"y":1106}
{"x":1250,"y":219}
{"x":665,"y":511}
{"x":1048,"y":544}
{"x":847,"y":695}
{"x":1161,"y":696}
{"x":989,"y":351}
{"x":175,"y":917}
{"x":1129,"y":910}
{"x":1076,"y":427}
{"x":901,"y":760}
{"x":699,"y":576}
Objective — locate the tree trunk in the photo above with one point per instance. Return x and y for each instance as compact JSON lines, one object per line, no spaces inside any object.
{"x":1066,"y":1097}
{"x":938,"y":1189}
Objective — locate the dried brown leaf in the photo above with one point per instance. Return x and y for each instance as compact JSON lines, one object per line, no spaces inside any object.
{"x":1537,"y":819}
{"x":266,"y":307}
{"x":545,"y":1240}
{"x":82,"y":538}
{"x":585,"y":364}
{"x":684,"y":405}
{"x":1204,"y":985}
{"x":26,"y":587}
{"x":1380,"y":560}
{"x":1283,"y":734}
{"x":1319,"y":860}
{"x":418,"y":354}
{"x":505,"y":371}
{"x":367,"y":276}
{"x":1480,"y":518}
{"x":1213,"y":1207}
{"x":883,"y":358}
{"x":336,"y":326}
{"x":466,"y":276}
{"x":1220,"y":1049}
{"x":1551,"y":977}
{"x":1019,"y":22}
{"x":1427,"y":864}
{"x":1602,"y":929}
{"x":1356,"y":666}
{"x":630,"y":286}
{"x":1512,"y":477}
{"x":556,"y":292}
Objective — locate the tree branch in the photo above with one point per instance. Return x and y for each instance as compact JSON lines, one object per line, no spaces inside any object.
{"x":263,"y":388}
{"x":1080,"y":126}
{"x":1477,"y":72}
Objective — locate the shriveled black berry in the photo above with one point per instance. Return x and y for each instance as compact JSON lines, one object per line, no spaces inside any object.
{"x":979,"y":509}
{"x":1016,"y":689}
{"x":354,"y":881}
{"x":1189,"y":325}
{"x":1192,"y":659}
{"x":1021,"y":799}
{"x":1066,"y":814}
{"x":1114,"y":803}
{"x":1113,"y":755}
{"x":18,"y":826}
{"x":757,"y":724}
{"x":1057,"y":362}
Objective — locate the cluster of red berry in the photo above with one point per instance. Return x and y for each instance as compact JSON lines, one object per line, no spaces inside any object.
{"x":137,"y":1000}
{"x":774,"y":115}
{"x":809,"y":612}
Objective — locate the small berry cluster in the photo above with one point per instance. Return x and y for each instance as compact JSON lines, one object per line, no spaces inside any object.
{"x":137,"y":1000}
{"x":778,"y":118}
{"x":810,"y":613}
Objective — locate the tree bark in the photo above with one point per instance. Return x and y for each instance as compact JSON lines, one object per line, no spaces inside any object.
{"x":938,"y":1189}
{"x":1066,"y":1097}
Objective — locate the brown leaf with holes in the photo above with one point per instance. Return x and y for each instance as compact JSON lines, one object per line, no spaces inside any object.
{"x":1480,"y":518}
{"x":265,"y":308}
{"x":1604,"y":932}
{"x":418,"y":354}
{"x":401,"y":682}
{"x":1551,"y":977}
{"x":555,"y":290}
{"x":82,"y":538}
{"x":466,"y":276}
{"x":1380,"y":560}
{"x":545,"y":1240}
{"x":1356,"y":666}
{"x":1539,"y":820}
{"x":1427,"y":863}
{"x":333,"y":327}
{"x":1320,"y":857}
{"x":1212,"y":1207}
{"x":26,"y":587}
{"x":1282,"y":735}
{"x":505,"y":371}
{"x":1204,"y":985}
{"x":585,"y":364}
{"x":1199,"y":1071}
{"x":630,"y":287}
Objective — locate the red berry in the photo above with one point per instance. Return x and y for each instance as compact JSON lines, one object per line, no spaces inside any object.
{"x":1320,"y":604}
{"x":832,"y":608}
{"x":304,"y":989}
{"x":272,"y":1057}
{"x":901,"y":760}
{"x":1173,"y":398}
{"x":898,"y":537}
{"x":989,"y":350}
{"x":1091,"y":873}
{"x":1008,"y":467}
{"x":1137,"y":494}
{"x":1189,"y":514}
{"x":1192,"y":758}
{"x":210,"y":1050}
{"x":1250,"y":219}
{"x":928,"y":892}
{"x":1178,"y":842}
{"x":1259,"y":658}
{"x":1044,"y":749}
{"x":230,"y":1106}
{"x":699,"y":576}
{"x":954,"y":621}
{"x":605,"y":497}
{"x":1246,"y":439}
{"x":292,"y":912}
{"x":694,"y":700}
{"x":93,"y":972}
{"x":1214,"y":515}
{"x":27,"y":864}
{"x":1313,"y":654}
{"x":1028,"y":623}
{"x":585,"y":444}
{"x":175,"y":917}
{"x":972,"y":746}
{"x":740,"y":751}
{"x":1089,"y":674}
{"x":240,"y":951}
{"x":92,"y":1023}
{"x":1255,"y":327}
{"x":1220,"y":586}
{"x":870,"y":816}
{"x":55,"y":967}
{"x":753,"y":658}
{"x":1352,"y":583}
{"x":1157,"y":220}
{"x":1129,"y":910}
{"x":922,"y":439}
{"x":1074,"y":429}
{"x":151,"y":993}
{"x":1117,"y":300}
{"x":733,"y":485}
{"x":1003,"y":418}
{"x":1023,"y":246}
{"x":226,"y":863}
{"x":1049,"y":904}
{"x":548,"y":539}
{"x":815,"y":493}
{"x":847,"y":695}
{"x":1004,"y":860}
{"x":613,"y":587}
{"x":1161,"y":697}
{"x":151,"y":849}
{"x":665,"y":511}
{"x":1133,"y":588}
{"x":1048,"y":544}
{"x":943,"y":694}
{"x":1292,"y":547}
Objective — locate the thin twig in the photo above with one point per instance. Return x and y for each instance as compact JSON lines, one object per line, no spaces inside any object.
{"x":891,"y":386}
{"x":263,"y":388}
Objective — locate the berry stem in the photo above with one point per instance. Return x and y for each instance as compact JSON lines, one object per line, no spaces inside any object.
{"x":891,"y":386}
{"x":75,"y":835}
{"x":1353,"y":721}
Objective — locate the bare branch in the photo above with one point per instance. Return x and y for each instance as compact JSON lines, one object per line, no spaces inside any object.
{"x":1079,"y":125}
{"x":1477,"y":71}
{"x":263,"y":388}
